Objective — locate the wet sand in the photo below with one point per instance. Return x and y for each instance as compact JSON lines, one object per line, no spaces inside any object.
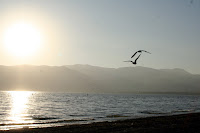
{"x":185,"y":123}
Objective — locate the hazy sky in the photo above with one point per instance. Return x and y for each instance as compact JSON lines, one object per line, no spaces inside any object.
{"x":107,"y":32}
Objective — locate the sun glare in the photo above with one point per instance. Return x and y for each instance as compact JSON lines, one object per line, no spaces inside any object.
{"x":22,"y":39}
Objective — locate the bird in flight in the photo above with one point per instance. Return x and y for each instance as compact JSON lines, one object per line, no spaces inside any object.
{"x":140,"y":51}
{"x":135,"y":62}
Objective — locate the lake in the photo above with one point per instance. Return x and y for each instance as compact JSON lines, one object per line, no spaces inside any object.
{"x":26,"y":109}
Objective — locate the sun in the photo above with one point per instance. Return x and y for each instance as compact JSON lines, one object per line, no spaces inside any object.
{"x":22,"y":39}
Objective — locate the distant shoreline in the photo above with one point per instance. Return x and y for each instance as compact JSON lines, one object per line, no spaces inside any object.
{"x":93,"y":79}
{"x":184,"y":123}
{"x":118,"y":93}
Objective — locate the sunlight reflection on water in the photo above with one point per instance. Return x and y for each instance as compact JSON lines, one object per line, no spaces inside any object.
{"x":19,"y":106}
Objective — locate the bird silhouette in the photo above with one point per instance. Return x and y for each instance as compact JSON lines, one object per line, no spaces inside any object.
{"x":135,"y":62}
{"x":140,"y":51}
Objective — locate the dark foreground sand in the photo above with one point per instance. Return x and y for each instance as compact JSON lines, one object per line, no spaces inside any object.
{"x":185,"y":123}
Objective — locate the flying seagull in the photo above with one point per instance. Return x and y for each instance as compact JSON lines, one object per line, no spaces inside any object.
{"x":135,"y":62}
{"x":140,"y":51}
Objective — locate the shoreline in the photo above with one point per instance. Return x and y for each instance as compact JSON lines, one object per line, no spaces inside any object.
{"x":183,"y":123}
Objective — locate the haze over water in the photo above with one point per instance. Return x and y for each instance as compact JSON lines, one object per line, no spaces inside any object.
{"x":20,"y":109}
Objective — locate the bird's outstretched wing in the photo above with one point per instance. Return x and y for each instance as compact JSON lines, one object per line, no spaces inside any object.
{"x":140,"y":51}
{"x":145,"y":51}
{"x":134,"y":54}
{"x":137,"y":58}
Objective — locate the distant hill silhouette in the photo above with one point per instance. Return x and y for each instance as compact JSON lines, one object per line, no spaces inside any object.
{"x":93,"y":79}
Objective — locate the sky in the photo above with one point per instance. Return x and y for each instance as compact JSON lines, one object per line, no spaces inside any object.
{"x":105,"y":32}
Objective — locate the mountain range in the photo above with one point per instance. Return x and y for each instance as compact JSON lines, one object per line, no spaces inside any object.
{"x":92,"y":79}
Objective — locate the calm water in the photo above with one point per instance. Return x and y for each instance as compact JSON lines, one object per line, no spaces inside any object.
{"x":36,"y":109}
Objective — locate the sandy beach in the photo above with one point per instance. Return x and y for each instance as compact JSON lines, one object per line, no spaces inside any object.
{"x":184,"y":123}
